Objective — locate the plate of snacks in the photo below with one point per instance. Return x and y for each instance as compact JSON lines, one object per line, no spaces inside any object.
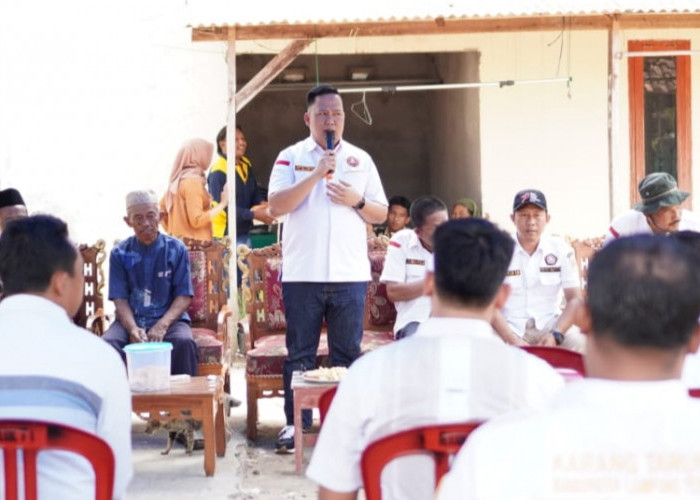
{"x":325,"y":375}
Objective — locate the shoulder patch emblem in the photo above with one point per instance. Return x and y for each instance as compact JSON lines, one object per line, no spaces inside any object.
{"x":352,"y":161}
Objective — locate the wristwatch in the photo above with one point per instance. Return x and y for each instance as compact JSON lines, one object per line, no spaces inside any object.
{"x":558,"y":337}
{"x":360,"y":204}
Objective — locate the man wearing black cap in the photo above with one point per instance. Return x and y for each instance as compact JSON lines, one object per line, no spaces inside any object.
{"x":11,"y":206}
{"x":659,"y":212}
{"x":542,"y":268}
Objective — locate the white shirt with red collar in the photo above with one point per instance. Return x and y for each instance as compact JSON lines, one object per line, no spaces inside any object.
{"x":323,"y":241}
{"x":405,"y":262}
{"x":634,"y":222}
{"x":537,"y":282}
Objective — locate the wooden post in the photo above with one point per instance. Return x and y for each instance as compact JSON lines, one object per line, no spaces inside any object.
{"x":614,"y":139}
{"x":270,"y":72}
{"x":231,"y":175}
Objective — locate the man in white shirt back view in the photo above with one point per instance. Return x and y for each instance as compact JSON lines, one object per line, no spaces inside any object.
{"x":453,"y":369}
{"x":628,"y":431}
{"x":52,"y":370}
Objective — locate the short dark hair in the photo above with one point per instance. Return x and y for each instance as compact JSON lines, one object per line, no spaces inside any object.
{"x":221,"y":136}
{"x":471,"y":260}
{"x":424,"y":207}
{"x":401,"y":201}
{"x":319,"y":90}
{"x":32,"y":249}
{"x":644,"y":291}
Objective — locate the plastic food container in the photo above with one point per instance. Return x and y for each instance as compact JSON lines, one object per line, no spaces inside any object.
{"x":148,"y":366}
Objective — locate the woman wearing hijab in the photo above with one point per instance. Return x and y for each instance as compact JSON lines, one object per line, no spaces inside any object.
{"x":187,"y":205}
{"x":464,"y":208}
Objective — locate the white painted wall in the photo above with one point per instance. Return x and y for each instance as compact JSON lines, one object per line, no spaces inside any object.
{"x":95,"y":100}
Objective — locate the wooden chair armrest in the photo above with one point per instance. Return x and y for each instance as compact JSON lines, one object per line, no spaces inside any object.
{"x":98,"y":322}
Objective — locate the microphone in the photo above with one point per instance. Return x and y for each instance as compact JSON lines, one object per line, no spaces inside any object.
{"x":330,"y":142}
{"x":330,"y":138}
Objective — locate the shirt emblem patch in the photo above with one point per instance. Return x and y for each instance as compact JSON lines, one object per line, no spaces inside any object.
{"x":281,"y":162}
{"x":352,"y":161}
{"x":303,"y":168}
{"x":550,"y":259}
{"x":513,"y":272}
{"x":395,"y":244}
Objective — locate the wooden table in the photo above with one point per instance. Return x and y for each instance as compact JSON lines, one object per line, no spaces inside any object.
{"x":200,"y":398}
{"x":306,"y":395}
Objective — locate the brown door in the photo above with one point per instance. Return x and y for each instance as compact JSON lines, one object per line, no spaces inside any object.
{"x":659,"y":90}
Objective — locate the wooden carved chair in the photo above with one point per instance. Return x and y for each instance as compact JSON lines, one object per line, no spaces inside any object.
{"x":208,"y":310}
{"x":266,"y":348}
{"x":91,"y":314}
{"x":584,"y":251}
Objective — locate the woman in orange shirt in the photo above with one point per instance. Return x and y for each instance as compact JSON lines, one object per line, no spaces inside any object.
{"x":187,"y":204}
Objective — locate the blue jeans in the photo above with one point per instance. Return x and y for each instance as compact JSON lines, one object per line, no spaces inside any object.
{"x":306,"y":305}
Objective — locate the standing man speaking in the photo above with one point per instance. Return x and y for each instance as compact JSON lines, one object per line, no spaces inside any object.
{"x":330,"y":189}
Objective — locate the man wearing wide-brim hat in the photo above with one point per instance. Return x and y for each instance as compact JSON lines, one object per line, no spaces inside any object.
{"x":659,"y":212}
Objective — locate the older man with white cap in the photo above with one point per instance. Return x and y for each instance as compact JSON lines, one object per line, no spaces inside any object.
{"x":150,"y":284}
{"x":659,"y":212}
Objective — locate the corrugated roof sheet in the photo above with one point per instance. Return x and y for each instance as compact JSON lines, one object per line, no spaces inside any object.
{"x":212,"y":13}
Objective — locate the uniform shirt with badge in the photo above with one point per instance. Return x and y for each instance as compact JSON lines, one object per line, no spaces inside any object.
{"x":322,"y":239}
{"x":634,"y":222}
{"x":405,"y":262}
{"x":451,"y":370}
{"x":537,"y":282}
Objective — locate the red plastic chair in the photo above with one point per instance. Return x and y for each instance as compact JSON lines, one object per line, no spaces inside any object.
{"x":324,"y":402}
{"x":440,"y":441}
{"x":558,"y":357}
{"x":32,"y":437}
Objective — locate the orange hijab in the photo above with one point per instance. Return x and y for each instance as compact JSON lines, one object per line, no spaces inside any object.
{"x":191,"y":161}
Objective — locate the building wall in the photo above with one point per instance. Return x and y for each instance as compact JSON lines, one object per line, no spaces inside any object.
{"x":550,"y":136}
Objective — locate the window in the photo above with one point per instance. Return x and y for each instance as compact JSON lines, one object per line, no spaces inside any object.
{"x":660,"y":134}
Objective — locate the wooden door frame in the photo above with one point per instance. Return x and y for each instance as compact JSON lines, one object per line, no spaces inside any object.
{"x":683,"y":110}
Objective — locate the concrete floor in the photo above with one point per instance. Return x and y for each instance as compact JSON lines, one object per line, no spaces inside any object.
{"x":248,"y":471}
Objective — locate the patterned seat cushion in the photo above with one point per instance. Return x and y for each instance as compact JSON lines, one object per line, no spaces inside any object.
{"x":273,"y":295}
{"x":268,"y":356}
{"x":382,"y":312}
{"x":198,"y":270}
{"x":209,"y":348}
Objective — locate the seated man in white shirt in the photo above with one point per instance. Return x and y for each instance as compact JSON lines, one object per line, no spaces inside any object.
{"x":543,"y":269}
{"x":452,"y":370}
{"x":404,"y":265}
{"x":51,"y":369}
{"x":659,"y":212}
{"x":629,"y":430}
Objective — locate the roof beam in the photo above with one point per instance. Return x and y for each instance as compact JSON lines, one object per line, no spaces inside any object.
{"x":269,"y":72}
{"x":442,"y":26}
